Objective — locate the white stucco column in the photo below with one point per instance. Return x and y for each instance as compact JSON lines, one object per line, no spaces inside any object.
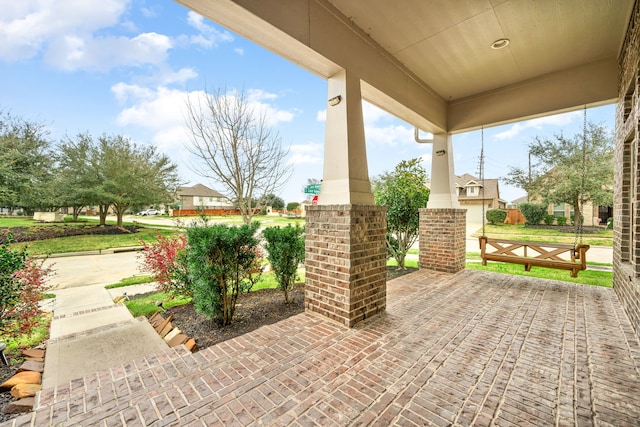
{"x":346,"y":175}
{"x":443,"y":184}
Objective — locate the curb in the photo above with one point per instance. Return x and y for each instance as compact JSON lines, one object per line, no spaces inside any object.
{"x":98,"y":252}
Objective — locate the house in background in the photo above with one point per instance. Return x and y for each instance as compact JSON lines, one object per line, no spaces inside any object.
{"x":201,"y":197}
{"x":593,"y":215}
{"x":473,"y":193}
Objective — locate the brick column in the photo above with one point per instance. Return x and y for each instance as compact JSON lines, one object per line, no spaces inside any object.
{"x":345,"y":262}
{"x":442,"y":239}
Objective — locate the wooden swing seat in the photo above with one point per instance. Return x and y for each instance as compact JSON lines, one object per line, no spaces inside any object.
{"x":544,"y":254}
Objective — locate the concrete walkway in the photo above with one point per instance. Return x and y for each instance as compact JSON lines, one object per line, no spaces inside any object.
{"x":88,"y":331}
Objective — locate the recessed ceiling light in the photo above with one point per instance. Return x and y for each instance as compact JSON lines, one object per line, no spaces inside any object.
{"x":500,"y":43}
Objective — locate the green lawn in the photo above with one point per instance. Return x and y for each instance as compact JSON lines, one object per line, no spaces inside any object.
{"x":264,"y":220}
{"x":520,"y":232}
{"x":146,"y":305}
{"x":587,"y":277}
{"x":17,"y":221}
{"x":130,"y":281}
{"x":92,"y":243}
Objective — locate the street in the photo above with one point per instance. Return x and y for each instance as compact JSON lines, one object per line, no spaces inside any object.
{"x":85,"y":270}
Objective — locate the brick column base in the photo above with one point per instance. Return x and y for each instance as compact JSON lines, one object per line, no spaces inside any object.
{"x":442,"y":239}
{"x":345,"y":262}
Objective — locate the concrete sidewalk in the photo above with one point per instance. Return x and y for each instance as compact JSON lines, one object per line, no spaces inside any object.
{"x":88,"y":332}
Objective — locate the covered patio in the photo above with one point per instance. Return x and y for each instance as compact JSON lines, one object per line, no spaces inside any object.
{"x":471,"y":348}
{"x":451,"y":347}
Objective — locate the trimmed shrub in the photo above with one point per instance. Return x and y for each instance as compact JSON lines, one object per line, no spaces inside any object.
{"x":610,"y":223}
{"x":573,"y":219}
{"x":496,"y":216}
{"x":549,"y":219}
{"x":562,"y":220}
{"x":10,"y":287}
{"x":534,"y":213}
{"x":285,"y":247}
{"x":221,"y":261}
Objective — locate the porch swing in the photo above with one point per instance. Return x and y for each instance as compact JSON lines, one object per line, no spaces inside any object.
{"x":538,"y":254}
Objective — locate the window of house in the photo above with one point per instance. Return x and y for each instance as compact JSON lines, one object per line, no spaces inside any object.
{"x":558,"y":209}
{"x":471,"y":191}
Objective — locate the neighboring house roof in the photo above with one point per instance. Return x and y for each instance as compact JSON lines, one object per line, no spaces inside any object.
{"x":198,"y":190}
{"x":519,"y":200}
{"x":491,"y":189}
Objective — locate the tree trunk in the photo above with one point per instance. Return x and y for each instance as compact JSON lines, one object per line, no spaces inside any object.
{"x":102,"y":213}
{"x":76,"y":212}
{"x":577,"y":214}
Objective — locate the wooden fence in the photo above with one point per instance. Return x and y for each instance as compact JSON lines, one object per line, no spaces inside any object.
{"x":514,"y":216}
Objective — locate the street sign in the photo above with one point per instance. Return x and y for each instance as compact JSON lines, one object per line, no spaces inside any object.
{"x":312,"y":189}
{"x":314,"y":201}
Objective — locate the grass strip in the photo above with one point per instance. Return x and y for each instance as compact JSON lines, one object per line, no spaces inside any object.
{"x":91,"y":242}
{"x":130,"y":281}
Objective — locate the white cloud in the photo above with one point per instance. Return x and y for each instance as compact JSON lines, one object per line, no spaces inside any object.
{"x":156,"y":110}
{"x":162,"y":111}
{"x":181,"y":76}
{"x":28,"y":26}
{"x":539,"y":123}
{"x":91,"y":34}
{"x":73,"y":53}
{"x":239,"y":51}
{"x":382,"y":128}
{"x":310,"y":154}
{"x":375,"y":128}
{"x":209,"y":36}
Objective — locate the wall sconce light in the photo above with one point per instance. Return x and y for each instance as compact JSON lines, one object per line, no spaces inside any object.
{"x":335,"y":100}
{"x":440,"y":153}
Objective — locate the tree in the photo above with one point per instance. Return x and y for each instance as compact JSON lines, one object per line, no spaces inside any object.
{"x":271,"y":200}
{"x":133,"y":174}
{"x":77,"y":182}
{"x":566,"y":173}
{"x":236,"y":148}
{"x":25,"y":164}
{"x":403,"y":192}
{"x":292,"y":206}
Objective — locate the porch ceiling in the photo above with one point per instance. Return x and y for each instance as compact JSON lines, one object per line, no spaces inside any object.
{"x":431,"y":63}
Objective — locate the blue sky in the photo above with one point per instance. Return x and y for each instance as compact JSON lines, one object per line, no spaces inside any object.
{"x":127,"y":67}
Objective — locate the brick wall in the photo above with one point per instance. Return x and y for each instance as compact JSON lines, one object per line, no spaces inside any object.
{"x":345,"y":262}
{"x":443,"y":239}
{"x":626,"y":249}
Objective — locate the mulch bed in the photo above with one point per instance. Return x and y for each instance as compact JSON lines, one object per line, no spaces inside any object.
{"x":6,"y":372}
{"x":30,"y":234}
{"x":253,"y":310}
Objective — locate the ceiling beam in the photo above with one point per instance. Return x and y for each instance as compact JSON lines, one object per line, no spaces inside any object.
{"x":317,"y":37}
{"x":591,"y":84}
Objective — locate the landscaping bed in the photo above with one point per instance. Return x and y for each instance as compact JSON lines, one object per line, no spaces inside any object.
{"x":44,"y":232}
{"x":253,"y":310}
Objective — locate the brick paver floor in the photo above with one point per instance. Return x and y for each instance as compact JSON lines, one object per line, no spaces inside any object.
{"x":473,"y":348}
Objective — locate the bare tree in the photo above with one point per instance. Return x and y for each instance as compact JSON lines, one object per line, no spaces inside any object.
{"x":236,"y":147}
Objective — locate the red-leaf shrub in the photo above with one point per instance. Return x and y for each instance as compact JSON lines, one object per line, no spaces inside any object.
{"x":162,"y":261}
{"x":32,"y":281}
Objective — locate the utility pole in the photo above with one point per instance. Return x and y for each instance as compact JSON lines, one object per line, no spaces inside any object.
{"x":529,"y":183}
